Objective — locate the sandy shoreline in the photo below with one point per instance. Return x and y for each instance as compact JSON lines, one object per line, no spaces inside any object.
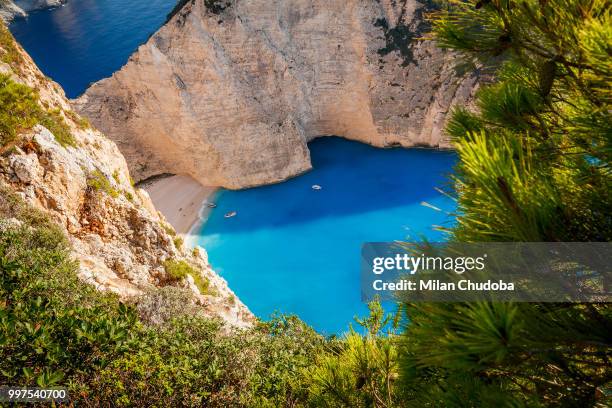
{"x":181,"y":200}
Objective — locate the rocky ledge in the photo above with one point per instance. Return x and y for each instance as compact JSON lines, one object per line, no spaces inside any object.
{"x":230,"y":92}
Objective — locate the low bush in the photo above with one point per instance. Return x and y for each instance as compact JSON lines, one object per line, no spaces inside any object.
{"x":178,"y":270}
{"x":191,"y":362}
{"x":57,"y":330}
{"x":168,"y":228}
{"x":128,"y":195}
{"x":9,"y":53}
{"x":20,"y":111}
{"x":53,"y":120}
{"x":160,"y":306}
{"x":99,"y":182}
{"x":178,"y":242}
{"x":52,"y":326}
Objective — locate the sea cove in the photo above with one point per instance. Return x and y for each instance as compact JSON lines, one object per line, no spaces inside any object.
{"x":289,"y":248}
{"x":293,"y":249}
{"x":304,"y":145}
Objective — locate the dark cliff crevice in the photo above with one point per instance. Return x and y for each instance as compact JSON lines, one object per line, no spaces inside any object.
{"x":401,"y":37}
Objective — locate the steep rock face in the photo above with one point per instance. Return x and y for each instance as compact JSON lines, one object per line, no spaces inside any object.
{"x":10,"y":9}
{"x":119,"y":239}
{"x":230,"y":92}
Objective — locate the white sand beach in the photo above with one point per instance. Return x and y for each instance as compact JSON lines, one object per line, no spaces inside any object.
{"x":180,"y":199}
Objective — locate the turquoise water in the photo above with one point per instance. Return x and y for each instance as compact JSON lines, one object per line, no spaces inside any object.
{"x":296,"y":250}
{"x":87,"y":40}
{"x":290,"y":248}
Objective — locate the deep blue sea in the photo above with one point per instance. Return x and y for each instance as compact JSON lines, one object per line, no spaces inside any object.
{"x":87,"y":40}
{"x":289,"y":248}
{"x":297,"y":250}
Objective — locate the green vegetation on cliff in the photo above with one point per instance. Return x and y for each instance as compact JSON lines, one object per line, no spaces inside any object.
{"x":20,"y":110}
{"x":9,"y":53}
{"x":534,"y":165}
{"x":55,"y":329}
{"x":178,"y":270}
{"x":52,"y":326}
{"x":99,"y":182}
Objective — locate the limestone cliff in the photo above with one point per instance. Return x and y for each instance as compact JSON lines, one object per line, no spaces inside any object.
{"x":230,"y":92}
{"x":10,"y":9}
{"x":121,"y":242}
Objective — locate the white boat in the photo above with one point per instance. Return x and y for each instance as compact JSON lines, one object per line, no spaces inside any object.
{"x":230,"y":214}
{"x":211,"y":205}
{"x":316,"y":187}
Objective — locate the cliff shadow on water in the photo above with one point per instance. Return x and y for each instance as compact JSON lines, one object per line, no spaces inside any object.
{"x":355,"y":179}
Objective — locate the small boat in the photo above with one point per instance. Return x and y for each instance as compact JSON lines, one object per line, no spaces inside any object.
{"x":211,"y":205}
{"x":230,"y":214}
{"x":316,"y":187}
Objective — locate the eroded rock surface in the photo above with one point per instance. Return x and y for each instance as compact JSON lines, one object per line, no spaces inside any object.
{"x":121,"y":242}
{"x":230,"y":92}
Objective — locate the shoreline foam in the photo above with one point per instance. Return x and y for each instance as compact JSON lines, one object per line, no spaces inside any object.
{"x":191,"y":236}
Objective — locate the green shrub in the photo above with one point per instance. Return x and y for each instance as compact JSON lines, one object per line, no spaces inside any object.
{"x":52,"y":326}
{"x":99,"y":182}
{"x":53,"y":120}
{"x":178,"y":270}
{"x":178,"y":242}
{"x":160,"y":306}
{"x":128,"y":195}
{"x":9,"y":53}
{"x":81,"y":121}
{"x":169,"y":229}
{"x":19,"y":108}
{"x":192,"y":363}
{"x":20,"y":111}
{"x":203,"y":285}
{"x":56,"y":330}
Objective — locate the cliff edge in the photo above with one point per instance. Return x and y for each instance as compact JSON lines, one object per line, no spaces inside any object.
{"x":230,"y":92}
{"x":52,"y":160}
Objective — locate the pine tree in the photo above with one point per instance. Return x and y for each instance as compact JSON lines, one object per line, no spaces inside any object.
{"x":359,"y":370}
{"x":534,"y":165}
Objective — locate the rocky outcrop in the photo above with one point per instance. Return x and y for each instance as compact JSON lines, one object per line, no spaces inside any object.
{"x":121,"y":242}
{"x":230,"y":92}
{"x":10,"y":9}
